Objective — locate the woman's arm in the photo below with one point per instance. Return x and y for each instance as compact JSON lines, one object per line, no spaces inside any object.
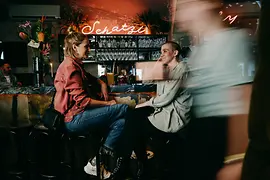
{"x":167,"y":97}
{"x":170,"y":94}
{"x":103,"y":85}
{"x":104,"y":89}
{"x":74,"y":85}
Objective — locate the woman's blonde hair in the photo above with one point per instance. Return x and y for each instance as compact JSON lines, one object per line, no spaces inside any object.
{"x":73,"y":38}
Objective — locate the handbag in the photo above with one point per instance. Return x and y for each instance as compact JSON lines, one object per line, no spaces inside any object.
{"x":53,"y":119}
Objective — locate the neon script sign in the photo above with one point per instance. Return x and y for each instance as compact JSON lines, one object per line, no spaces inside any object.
{"x":230,"y":18}
{"x":115,"y":29}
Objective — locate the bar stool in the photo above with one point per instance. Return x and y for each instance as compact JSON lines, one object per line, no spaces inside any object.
{"x":4,"y":136}
{"x":16,"y":152}
{"x":79,"y":148}
{"x":44,"y":153}
{"x":53,"y":155}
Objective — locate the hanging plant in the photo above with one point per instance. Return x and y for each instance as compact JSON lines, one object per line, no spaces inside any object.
{"x":73,"y":18}
{"x":38,"y":35}
{"x":152,"y":21}
{"x":149,"y":20}
{"x":25,"y":31}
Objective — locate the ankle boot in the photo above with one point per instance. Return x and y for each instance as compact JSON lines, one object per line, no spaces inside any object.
{"x":106,"y":157}
{"x":118,"y":173}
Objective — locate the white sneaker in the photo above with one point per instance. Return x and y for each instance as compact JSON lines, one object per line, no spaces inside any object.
{"x":90,"y":169}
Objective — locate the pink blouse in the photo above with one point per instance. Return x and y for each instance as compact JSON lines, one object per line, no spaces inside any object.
{"x":71,"y":88}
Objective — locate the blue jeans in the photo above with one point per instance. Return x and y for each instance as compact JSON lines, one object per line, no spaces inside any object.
{"x":107,"y":118}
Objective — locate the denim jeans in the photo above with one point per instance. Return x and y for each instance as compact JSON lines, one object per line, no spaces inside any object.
{"x":107,"y":118}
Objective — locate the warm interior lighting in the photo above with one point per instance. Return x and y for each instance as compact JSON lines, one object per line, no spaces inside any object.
{"x":2,"y":55}
{"x":147,"y":31}
{"x":51,"y":64}
{"x":124,"y":29}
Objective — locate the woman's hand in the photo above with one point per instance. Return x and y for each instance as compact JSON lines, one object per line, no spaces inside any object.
{"x":147,"y":103}
{"x":112,"y":102}
{"x":104,"y":91}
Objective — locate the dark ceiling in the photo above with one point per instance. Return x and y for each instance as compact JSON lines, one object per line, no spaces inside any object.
{"x":5,"y":3}
{"x":33,"y":1}
{"x":56,"y":1}
{"x":61,"y":1}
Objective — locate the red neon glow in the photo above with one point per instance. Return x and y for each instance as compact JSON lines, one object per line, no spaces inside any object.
{"x":115,"y":29}
{"x":230,"y":18}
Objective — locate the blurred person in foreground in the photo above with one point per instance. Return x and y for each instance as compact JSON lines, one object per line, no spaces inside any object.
{"x":7,"y":78}
{"x":87,"y":114}
{"x":215,"y":84}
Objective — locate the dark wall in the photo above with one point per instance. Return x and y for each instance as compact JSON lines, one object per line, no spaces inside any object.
{"x":3,"y":10}
{"x":27,"y":79}
{"x":15,"y":53}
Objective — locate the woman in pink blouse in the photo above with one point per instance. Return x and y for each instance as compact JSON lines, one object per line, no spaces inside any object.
{"x":86,"y":113}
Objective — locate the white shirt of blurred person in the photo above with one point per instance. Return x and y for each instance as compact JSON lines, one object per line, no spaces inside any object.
{"x":6,"y":77}
{"x":215,"y":62}
{"x":214,"y":82}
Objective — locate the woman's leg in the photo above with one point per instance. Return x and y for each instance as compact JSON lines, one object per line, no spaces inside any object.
{"x":109,"y":118}
{"x":133,"y":137}
{"x":139,"y":122}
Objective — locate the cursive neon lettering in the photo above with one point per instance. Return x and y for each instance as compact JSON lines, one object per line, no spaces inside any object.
{"x":141,"y":30}
{"x":98,"y":31}
{"x":125,"y":29}
{"x":115,"y":28}
{"x":230,"y":18}
{"x":131,"y":30}
{"x":106,"y":31}
{"x":89,"y":29}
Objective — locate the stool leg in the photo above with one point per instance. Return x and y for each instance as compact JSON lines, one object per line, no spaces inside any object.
{"x":66,"y":168}
{"x":98,"y":164}
{"x":32,"y":156}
